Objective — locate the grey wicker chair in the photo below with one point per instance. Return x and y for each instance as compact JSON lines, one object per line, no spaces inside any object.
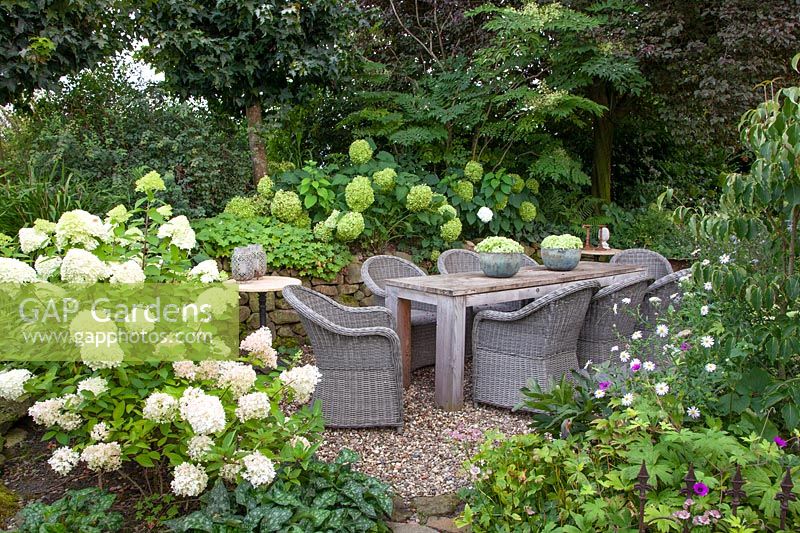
{"x":657,"y":265}
{"x":375,"y":271}
{"x":538,"y":342}
{"x":358,"y":354}
{"x":609,"y":318}
{"x":668,"y":291}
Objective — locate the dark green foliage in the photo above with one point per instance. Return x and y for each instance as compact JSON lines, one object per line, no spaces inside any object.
{"x":100,"y":126}
{"x":287,"y":247}
{"x":649,"y":227}
{"x":80,"y":511}
{"x":323,"y":497}
{"x":42,"y":40}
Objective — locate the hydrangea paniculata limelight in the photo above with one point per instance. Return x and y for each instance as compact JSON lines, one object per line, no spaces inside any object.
{"x":15,"y":271}
{"x":80,"y":266}
{"x":100,"y":432}
{"x":31,"y":239}
{"x":12,"y":383}
{"x":253,"y":406}
{"x":128,"y":272}
{"x":259,"y":345}
{"x":80,"y":228}
{"x":179,"y":231}
{"x":202,"y":411}
{"x":96,"y":385}
{"x":160,"y":407}
{"x":235,"y":376}
{"x":206,"y":271}
{"x":258,"y":469}
{"x":102,"y":457}
{"x":302,"y":380}
{"x":188,"y":480}
{"x":46,"y":266}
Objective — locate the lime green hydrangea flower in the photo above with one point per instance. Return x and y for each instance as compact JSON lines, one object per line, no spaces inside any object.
{"x":264,"y":187}
{"x":527,"y":211}
{"x":473,"y":171}
{"x":562,"y":241}
{"x":45,"y":226}
{"x":323,"y":231}
{"x":165,"y":210}
{"x":358,"y":194}
{"x":448,"y":211}
{"x":419,"y":198}
{"x":286,"y":206}
{"x":150,"y":183}
{"x":464,"y":190}
{"x":499,"y":206}
{"x":499,"y":245}
{"x":118,"y":215}
{"x":360,"y":152}
{"x":349,"y":226}
{"x":384,"y":179}
{"x":303,"y":221}
{"x":450,"y":230}
{"x":242,"y":207}
{"x":5,"y":240}
{"x":533,"y":185}
{"x":519,"y":183}
{"x":435,"y":255}
{"x":283,"y":166}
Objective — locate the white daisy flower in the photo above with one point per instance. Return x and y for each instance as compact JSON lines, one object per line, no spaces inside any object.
{"x":662,"y":330}
{"x":704,"y":310}
{"x":724,"y":259}
{"x":693,"y":412}
{"x":626,"y":301}
{"x":627,"y":400}
{"x":636,"y":335}
{"x":649,"y":366}
{"x":707,"y":341}
{"x":661,"y":388}
{"x":624,"y":356}
{"x":711,"y":367}
{"x":707,"y":286}
{"x":599,"y":393}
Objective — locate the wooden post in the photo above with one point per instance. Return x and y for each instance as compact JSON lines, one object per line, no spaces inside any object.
{"x":450,"y":330}
{"x":401,"y":310}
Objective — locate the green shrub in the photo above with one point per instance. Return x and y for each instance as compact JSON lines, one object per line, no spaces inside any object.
{"x":86,"y":511}
{"x":317,"y":496}
{"x":473,"y":171}
{"x":287,"y":246}
{"x":244,"y":207}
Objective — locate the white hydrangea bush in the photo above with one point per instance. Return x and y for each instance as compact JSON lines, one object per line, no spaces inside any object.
{"x":235,"y":419}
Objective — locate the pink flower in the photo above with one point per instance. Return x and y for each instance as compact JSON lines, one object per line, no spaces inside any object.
{"x":682,"y":514}
{"x":635,"y":367}
{"x":685,"y":346}
{"x":604,"y":385}
{"x":779,"y":441}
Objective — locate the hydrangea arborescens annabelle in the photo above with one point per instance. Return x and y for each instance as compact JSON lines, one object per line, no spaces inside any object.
{"x":419,"y":198}
{"x":302,"y":380}
{"x":12,"y":383}
{"x":464,"y":190}
{"x":54,"y":412}
{"x":360,"y":152}
{"x":258,"y":469}
{"x":199,"y":447}
{"x":519,"y":183}
{"x":202,"y":411}
{"x":358,"y":194}
{"x":448,"y":211}
{"x":450,"y":230}
{"x":384,"y":179}
{"x":128,"y":272}
{"x":160,"y":407}
{"x":179,"y":231}
{"x":46,"y":266}
{"x":527,"y":211}
{"x":188,"y":480}
{"x":150,"y":183}
{"x":286,"y":206}
{"x":63,"y":460}
{"x":473,"y":171}
{"x":264,"y":187}
{"x":349,"y":227}
{"x":206,"y":271}
{"x":324,"y":230}
{"x":499,"y":245}
{"x":15,"y":271}
{"x":485,"y":215}
{"x":79,"y":228}
{"x":242,"y":207}
{"x":564,"y":241}
{"x":100,"y":432}
{"x":102,"y":457}
{"x":80,"y":266}
{"x":31,"y":239}
{"x":259,"y":345}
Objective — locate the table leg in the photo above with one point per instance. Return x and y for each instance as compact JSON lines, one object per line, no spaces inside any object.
{"x":262,"y":309}
{"x":401,"y":310}
{"x":450,"y":326}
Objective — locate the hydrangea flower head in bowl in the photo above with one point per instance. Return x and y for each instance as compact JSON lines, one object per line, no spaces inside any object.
{"x":561,"y":252}
{"x":500,"y":257}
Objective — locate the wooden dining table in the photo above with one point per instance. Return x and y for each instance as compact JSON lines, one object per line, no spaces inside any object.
{"x":452,"y":294}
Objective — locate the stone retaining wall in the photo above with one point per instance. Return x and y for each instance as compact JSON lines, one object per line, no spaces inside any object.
{"x":284,"y":322}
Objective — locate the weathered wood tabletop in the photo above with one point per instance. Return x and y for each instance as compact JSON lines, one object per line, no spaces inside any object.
{"x":453,"y":293}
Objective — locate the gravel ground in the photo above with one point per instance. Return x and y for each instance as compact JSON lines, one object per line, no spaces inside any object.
{"x":425,"y":460}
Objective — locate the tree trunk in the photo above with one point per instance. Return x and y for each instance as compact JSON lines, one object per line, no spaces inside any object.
{"x":603,"y":143}
{"x":601,"y":166}
{"x":258,"y":151}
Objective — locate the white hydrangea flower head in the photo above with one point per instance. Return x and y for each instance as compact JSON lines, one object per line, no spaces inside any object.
{"x":164,"y":210}
{"x":95,"y":385}
{"x":31,"y":239}
{"x":103,"y":456}
{"x":236,"y":376}
{"x":259,"y":344}
{"x":188,"y":480}
{"x":80,"y":266}
{"x":46,"y":266}
{"x":63,"y":460}
{"x":202,"y":411}
{"x":253,"y":406}
{"x":79,"y":228}
{"x":206,"y":272}
{"x":128,"y":272}
{"x":160,"y":407}
{"x":208,"y":369}
{"x":258,"y":469}
{"x":12,"y":383}
{"x":52,"y":412}
{"x":230,"y":471}
{"x":185,"y":370}
{"x":15,"y":271}
{"x":302,"y":380}
{"x":100,"y":432}
{"x":485,"y":215}
{"x":199,"y":447}
{"x":179,"y":231}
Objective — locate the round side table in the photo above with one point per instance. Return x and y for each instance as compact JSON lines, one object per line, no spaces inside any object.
{"x":598,"y":253}
{"x":262,"y":286}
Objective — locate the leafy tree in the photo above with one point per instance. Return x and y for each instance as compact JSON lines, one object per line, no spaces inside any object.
{"x":43,"y":40}
{"x":242,"y":56}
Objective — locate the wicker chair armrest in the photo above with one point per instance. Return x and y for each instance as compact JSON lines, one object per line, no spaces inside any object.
{"x":669,"y":278}
{"x":539,"y":303}
{"x":614,"y":287}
